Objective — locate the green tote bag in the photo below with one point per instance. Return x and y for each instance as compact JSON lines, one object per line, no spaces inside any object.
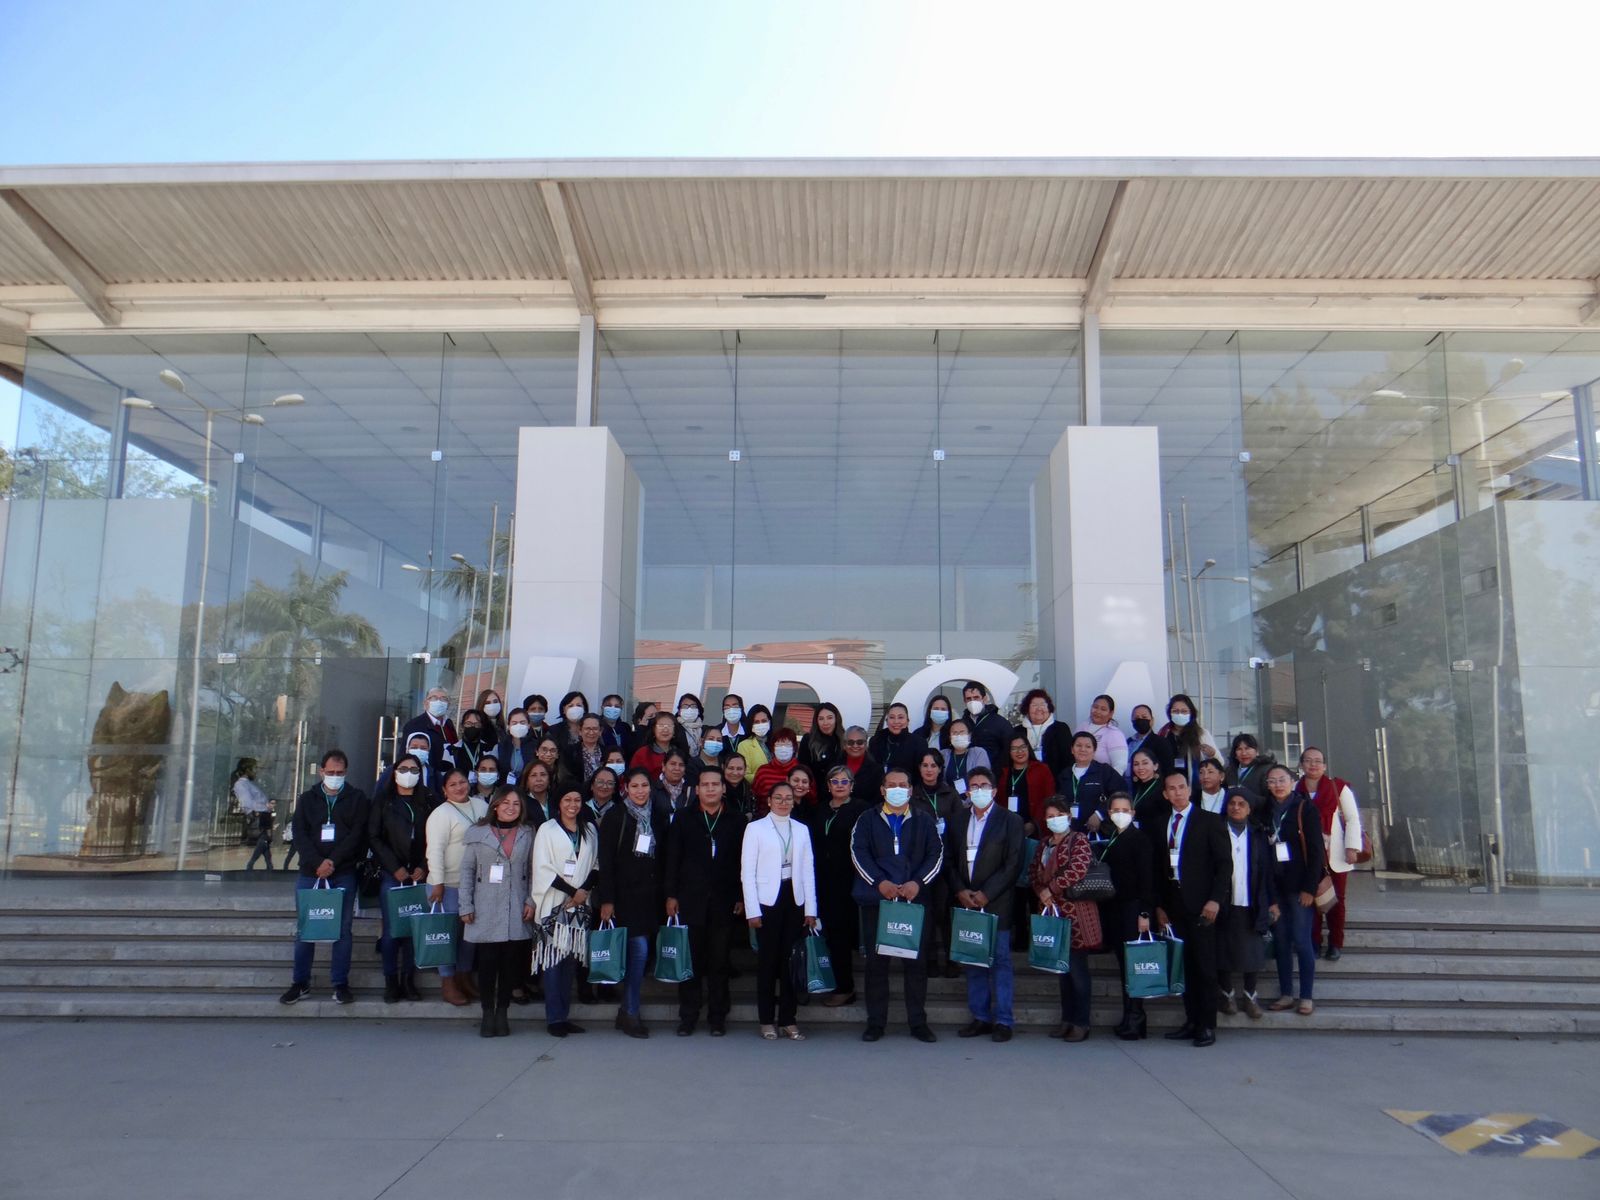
{"x":320,"y":912}
{"x":1050,"y":942}
{"x":973,"y":933}
{"x":673,"y":964}
{"x":899,"y":932}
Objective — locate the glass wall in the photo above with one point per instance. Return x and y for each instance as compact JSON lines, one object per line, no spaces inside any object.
{"x":325,"y":516}
{"x":862,"y":498}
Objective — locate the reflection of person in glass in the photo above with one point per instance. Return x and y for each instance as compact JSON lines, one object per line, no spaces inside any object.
{"x":257,"y":810}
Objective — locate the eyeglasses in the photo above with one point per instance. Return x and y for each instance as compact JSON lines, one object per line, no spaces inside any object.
{"x":856,"y":743}
{"x":839,"y":782}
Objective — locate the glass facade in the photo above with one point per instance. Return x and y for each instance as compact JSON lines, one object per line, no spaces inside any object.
{"x":230,"y":546}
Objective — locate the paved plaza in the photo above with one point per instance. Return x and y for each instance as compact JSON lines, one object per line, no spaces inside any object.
{"x":399,"y":1110}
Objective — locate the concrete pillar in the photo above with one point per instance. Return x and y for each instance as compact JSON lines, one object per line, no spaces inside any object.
{"x":1102,"y":616}
{"x":573,"y":582}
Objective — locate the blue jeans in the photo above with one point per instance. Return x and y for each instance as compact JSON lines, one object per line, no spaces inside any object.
{"x":305,"y":952}
{"x":1291,"y":938}
{"x":1076,"y":989}
{"x":638,"y":955}
{"x":464,"y":952}
{"x":990,"y":992}
{"x":397,"y":958}
{"x":558,"y":991}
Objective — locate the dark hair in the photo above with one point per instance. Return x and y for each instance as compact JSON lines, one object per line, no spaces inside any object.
{"x":758,"y":710}
{"x":973,"y":684}
{"x":1170,"y":772}
{"x":1318,"y":749}
{"x":1085,"y":735}
{"x":641,"y":708}
{"x":494,"y":758}
{"x":448,"y":774}
{"x":950,"y":726}
{"x":1119,"y":794}
{"x":698,"y":703}
{"x":548,"y":740}
{"x":930,"y":752}
{"x":568,"y":699}
{"x":674,"y":753}
{"x":1030,"y":696}
{"x":980,"y":772}
{"x":1148,"y":755}
{"x":834,"y":739}
{"x":499,"y":794}
{"x":390,"y":788}
{"x":711,"y":773}
{"x":628,"y":777}
{"x":1058,"y":802}
{"x":1278,"y":766}
{"x":1242,"y":739}
{"x":529,"y":701}
{"x":609,"y":696}
{"x":927,"y":716}
{"x":888,"y":771}
{"x":1208,"y":761}
{"x":537,"y":765}
{"x":244,"y":767}
{"x":1110,"y":703}
{"x":782,"y":783}
{"x":1018,"y":735}
{"x":329,"y":755}
{"x":811,"y":780}
{"x":591,"y":716}
{"x":1189,"y":735}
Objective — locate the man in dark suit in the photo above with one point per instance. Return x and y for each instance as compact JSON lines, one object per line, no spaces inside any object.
{"x":982,"y":858}
{"x":703,"y":891}
{"x":444,"y":746}
{"x":1194,"y":867}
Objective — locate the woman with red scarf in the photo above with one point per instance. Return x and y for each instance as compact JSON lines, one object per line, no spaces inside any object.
{"x":1341,"y":829}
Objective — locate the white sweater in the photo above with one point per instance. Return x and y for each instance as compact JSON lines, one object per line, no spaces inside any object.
{"x":447,"y":827}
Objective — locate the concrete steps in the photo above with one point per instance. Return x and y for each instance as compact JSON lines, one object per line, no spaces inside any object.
{"x":225,"y":953}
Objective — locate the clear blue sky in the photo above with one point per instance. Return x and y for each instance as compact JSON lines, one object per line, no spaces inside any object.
{"x":185,"y":80}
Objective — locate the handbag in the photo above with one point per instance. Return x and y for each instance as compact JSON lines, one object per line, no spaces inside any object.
{"x":1095,"y":885}
{"x":1326,"y":897}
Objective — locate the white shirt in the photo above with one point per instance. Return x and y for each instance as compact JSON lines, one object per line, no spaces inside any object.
{"x":1213,"y":802}
{"x":1175,"y":840}
{"x":976,"y":823}
{"x":1241,"y":866}
{"x":251,"y":798}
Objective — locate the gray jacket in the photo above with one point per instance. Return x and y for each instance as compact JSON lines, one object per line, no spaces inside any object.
{"x":496,"y":908}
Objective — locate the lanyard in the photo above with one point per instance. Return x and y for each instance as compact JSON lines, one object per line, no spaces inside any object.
{"x":1076,"y":780}
{"x":505,"y":850}
{"x":1016,"y":778}
{"x":786,"y":841}
{"x":827,"y":826}
{"x":1139,"y":799}
{"x":1243,"y":771}
{"x":1106,"y":849}
{"x":1277,"y":824}
{"x":332,"y":800}
{"x":411,"y":813}
{"x":711,"y":826}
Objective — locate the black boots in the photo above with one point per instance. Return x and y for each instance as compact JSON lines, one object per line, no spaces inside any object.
{"x":391,"y":989}
{"x":408,"y":986}
{"x":495,"y":1023}
{"x":486,"y":1027}
{"x":1132,"y":1027}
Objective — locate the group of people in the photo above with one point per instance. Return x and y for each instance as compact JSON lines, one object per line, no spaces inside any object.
{"x":537,"y":827}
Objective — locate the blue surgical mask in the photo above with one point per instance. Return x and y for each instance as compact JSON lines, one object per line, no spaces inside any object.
{"x":617,"y":768}
{"x":536,"y":718}
{"x":898,"y":797}
{"x":1181,"y":719}
{"x":981,"y":798}
{"x":438,"y":708}
{"x":612,"y":712}
{"x":488,"y":778}
{"x":713,"y":748}
{"x":938,"y":716}
{"x":732,"y":715}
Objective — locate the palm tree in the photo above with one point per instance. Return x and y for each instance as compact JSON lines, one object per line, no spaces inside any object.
{"x":486,"y":605}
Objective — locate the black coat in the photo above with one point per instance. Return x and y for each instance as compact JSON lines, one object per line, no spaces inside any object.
{"x":1299,"y":826}
{"x":1157,"y":746}
{"x":991,"y":732}
{"x":1253,"y":781}
{"x":1262,"y":893}
{"x":396,"y":830}
{"x":1090,"y":792}
{"x":820,"y":753}
{"x":868,"y":781}
{"x":830,"y":848}
{"x":702,"y":865}
{"x":998,"y":864}
{"x":1132,"y":866}
{"x":631,"y":882}
{"x":438,"y":743}
{"x":1205,"y":862}
{"x":505,"y":750}
{"x":1148,"y":805}
{"x":1056,"y":745}
{"x":897,"y":750}
{"x":350,"y":813}
{"x":620,"y":736}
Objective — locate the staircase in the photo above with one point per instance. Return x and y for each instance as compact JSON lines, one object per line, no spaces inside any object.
{"x":225,"y":952}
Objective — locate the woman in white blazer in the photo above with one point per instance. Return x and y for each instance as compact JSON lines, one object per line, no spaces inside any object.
{"x":780,"y":895}
{"x":1341,"y":829}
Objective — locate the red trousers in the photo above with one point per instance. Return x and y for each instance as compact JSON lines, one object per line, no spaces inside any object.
{"x":1335,"y":915}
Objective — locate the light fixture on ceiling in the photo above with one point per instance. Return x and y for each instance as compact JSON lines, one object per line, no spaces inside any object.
{"x":173,"y":380}
{"x":1386,"y":394}
{"x":288,"y":400}
{"x":410,"y":567}
{"x":136,"y":402}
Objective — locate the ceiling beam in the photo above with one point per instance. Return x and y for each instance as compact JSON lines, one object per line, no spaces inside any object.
{"x":578,"y":273}
{"x":76,"y":272}
{"x":1589,"y":314}
{"x":1109,"y":252}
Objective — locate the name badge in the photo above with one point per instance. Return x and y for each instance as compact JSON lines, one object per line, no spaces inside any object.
{"x":1173,"y":855}
{"x":497,"y":873}
{"x":713,"y":849}
{"x":1011,"y":803}
{"x":511,"y":779}
{"x":327,"y":832}
{"x":972,"y":856}
{"x":961,"y":787}
{"x":788,"y":871}
{"x":641,"y":843}
{"x":1282,"y":850}
{"x":940,"y":823}
{"x":570,"y":867}
{"x":1073,"y":812}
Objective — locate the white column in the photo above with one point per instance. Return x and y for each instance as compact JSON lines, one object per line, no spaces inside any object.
{"x":574,"y":581}
{"x":1103,"y":617}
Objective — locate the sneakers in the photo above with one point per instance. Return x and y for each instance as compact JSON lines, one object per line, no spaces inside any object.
{"x":296,"y":993}
{"x":342,"y":995}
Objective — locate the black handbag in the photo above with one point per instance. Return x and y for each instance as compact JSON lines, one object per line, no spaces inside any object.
{"x":1095,"y":885}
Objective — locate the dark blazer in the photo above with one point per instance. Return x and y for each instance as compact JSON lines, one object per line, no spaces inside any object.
{"x":1299,"y":826}
{"x":396,"y":830}
{"x":866,"y":784}
{"x":877,"y":857}
{"x":1090,"y":792}
{"x":1133,"y":875}
{"x":704,"y":882}
{"x":1205,"y":862}
{"x":991,"y":732}
{"x":998,"y":864}
{"x":1057,"y":747}
{"x":897,"y":750}
{"x":422,"y":723}
{"x":1157,"y":746}
{"x":830,"y":848}
{"x":620,"y":736}
{"x":505,"y":750}
{"x":350,"y":813}
{"x":942,"y":805}
{"x":628,"y":881}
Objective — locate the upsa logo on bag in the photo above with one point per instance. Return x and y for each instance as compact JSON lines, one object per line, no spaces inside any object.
{"x":1044,"y":939}
{"x":669,"y":952}
{"x":436,"y":939}
{"x":320,"y":914}
{"x":599,"y":956}
{"x":1146,"y":968}
{"x":970,"y":935}
{"x":901,"y":927}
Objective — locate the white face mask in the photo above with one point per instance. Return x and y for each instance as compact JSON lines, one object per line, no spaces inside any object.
{"x":488,"y":778}
{"x":960,"y":741}
{"x":689,"y":712}
{"x":618,"y":768}
{"x":1181,"y":719}
{"x":1058,"y":824}
{"x":1122,"y":819}
{"x":732,"y":715}
{"x":783,"y":752}
{"x":492,"y":708}
{"x":898,"y":797}
{"x":420,"y":751}
{"x":974,"y":707}
{"x":576,"y":712}
{"x":438,"y":708}
{"x":981,"y":798}
{"x":519,"y":731}
{"x":407,"y":778}
{"x":333,"y":782}
{"x":760,"y":729}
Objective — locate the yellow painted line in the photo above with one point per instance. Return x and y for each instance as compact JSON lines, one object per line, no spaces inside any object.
{"x":1470,"y":1137}
{"x":1571,"y":1144}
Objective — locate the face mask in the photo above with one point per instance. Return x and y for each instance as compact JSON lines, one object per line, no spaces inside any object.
{"x":420,"y":751}
{"x":783,"y":752}
{"x":333,"y":782}
{"x":713,"y":748}
{"x":981,"y":798}
{"x":438,"y":708}
{"x":492,"y":708}
{"x":611,"y":712}
{"x":732,"y":715}
{"x":938,"y":716}
{"x":1058,"y":824}
{"x":617,"y":768}
{"x":1122,"y":819}
{"x":407,"y":778}
{"x":760,"y":728}
{"x":488,"y":778}
{"x":576,"y":712}
{"x":519,"y":731}
{"x":1141,"y":724}
{"x":689,"y":712}
{"x":474,"y":729}
{"x":1181,"y":719}
{"x":536,"y":718}
{"x":974,"y":707}
{"x":898,"y":797}
{"x":960,"y":741}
